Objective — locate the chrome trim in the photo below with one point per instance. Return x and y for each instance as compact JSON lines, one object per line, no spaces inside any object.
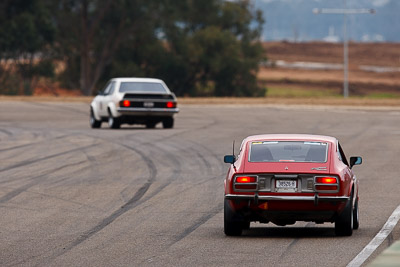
{"x":288,"y":198}
{"x":319,"y":168}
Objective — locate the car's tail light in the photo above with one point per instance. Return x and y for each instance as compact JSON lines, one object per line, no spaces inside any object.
{"x":171,"y":104}
{"x":126,"y":103}
{"x":326,"y":180}
{"x":326,"y":184}
{"x":246,"y":179}
{"x":246,"y":183}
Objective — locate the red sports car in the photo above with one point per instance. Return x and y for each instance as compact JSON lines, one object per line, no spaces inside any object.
{"x":284,"y":178}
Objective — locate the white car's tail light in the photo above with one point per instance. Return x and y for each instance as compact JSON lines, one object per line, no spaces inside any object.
{"x":125,"y":103}
{"x":171,"y":104}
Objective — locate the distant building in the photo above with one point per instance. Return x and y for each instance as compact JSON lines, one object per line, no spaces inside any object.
{"x":372,"y":38}
{"x":331,"y":38}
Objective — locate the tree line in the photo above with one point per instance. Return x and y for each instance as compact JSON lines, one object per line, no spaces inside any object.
{"x":198,"y":47}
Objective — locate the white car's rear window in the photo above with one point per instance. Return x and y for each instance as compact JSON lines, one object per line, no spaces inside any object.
{"x":142,"y":87}
{"x":288,"y":151}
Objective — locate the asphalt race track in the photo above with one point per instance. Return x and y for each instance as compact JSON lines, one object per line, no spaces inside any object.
{"x":74,"y":196}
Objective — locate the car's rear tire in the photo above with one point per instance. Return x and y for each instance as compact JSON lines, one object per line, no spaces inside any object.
{"x":93,"y":122}
{"x":168,"y":123}
{"x":356,"y":218}
{"x":345,"y":221}
{"x":233,"y":226}
{"x":113,"y":122}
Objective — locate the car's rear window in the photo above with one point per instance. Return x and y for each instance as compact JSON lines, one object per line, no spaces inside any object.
{"x":288,"y":151}
{"x":142,"y":87}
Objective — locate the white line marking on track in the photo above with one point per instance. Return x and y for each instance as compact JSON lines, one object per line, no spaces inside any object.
{"x":377,"y":240}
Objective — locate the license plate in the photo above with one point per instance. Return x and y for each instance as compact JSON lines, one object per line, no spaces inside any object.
{"x":286,"y":185}
{"x":148,"y":104}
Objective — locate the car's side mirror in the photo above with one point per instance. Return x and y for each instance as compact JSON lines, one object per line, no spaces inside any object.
{"x":355,"y":161}
{"x":229,"y":159}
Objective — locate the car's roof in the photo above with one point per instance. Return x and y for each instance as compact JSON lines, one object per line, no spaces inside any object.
{"x":291,"y":137}
{"x":132,"y":79}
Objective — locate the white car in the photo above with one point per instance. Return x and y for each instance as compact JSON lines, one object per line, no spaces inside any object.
{"x":134,"y":101}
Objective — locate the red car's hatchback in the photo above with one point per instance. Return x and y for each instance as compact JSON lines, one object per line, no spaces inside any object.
{"x":287,"y":178}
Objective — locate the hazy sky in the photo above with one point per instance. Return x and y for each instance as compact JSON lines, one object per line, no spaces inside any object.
{"x":294,"y":19}
{"x":375,"y":3}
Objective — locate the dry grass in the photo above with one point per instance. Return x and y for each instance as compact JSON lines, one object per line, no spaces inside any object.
{"x":376,"y":54}
{"x":362,"y":83}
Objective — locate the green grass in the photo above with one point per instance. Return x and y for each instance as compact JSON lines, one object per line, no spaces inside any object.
{"x":383,"y":95}
{"x":284,"y":92}
{"x":300,"y":93}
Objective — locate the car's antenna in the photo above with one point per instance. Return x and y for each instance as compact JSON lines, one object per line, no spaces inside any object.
{"x":233,"y":153}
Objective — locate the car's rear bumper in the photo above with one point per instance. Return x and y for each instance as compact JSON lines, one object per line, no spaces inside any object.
{"x":147,"y":111}
{"x":315,"y":198}
{"x":286,"y":209}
